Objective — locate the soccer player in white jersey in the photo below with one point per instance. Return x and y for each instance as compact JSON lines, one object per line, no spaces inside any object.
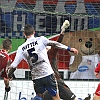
{"x":34,"y":52}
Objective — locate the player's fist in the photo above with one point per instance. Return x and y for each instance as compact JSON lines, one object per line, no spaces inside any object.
{"x":7,"y":89}
{"x":65,"y":25}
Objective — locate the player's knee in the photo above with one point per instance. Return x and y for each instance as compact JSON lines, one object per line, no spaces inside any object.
{"x":37,"y":98}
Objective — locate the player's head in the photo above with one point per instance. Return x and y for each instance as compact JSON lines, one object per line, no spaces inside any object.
{"x":7,"y":44}
{"x":28,"y":30}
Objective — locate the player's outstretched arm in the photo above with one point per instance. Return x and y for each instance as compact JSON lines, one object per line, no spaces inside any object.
{"x":62,"y":46}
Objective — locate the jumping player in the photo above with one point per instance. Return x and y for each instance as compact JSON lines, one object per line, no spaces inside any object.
{"x":64,"y":91}
{"x":5,"y":61}
{"x":34,"y":52}
{"x":97,"y":74}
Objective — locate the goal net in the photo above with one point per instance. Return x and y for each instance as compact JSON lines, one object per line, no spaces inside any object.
{"x":47,"y":17}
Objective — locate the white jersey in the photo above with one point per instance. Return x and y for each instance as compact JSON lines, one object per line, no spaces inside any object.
{"x":34,"y":52}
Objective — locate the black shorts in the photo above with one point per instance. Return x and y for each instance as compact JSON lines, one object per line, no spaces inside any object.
{"x":46,"y":83}
{"x":64,"y":92}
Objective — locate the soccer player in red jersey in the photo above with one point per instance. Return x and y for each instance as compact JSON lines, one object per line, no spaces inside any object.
{"x":5,"y":60}
{"x":97,"y":74}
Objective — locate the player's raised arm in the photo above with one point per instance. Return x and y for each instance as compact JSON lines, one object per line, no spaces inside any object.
{"x":65,"y":25}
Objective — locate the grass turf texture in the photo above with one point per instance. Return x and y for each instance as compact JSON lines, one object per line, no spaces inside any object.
{"x":17,"y":42}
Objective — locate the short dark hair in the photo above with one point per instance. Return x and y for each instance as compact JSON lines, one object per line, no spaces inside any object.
{"x":6,"y":44}
{"x":28,"y":29}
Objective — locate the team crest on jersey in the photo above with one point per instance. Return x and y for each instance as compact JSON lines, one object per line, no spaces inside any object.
{"x":89,"y":61}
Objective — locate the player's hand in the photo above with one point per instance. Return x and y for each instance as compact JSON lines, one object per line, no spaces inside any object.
{"x":74,"y":50}
{"x":65,"y":25}
{"x":11,"y":72}
{"x":97,"y":75}
{"x":7,"y":89}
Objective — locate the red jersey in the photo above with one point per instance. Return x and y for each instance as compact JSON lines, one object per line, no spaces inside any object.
{"x":4,"y":61}
{"x":97,"y":69}
{"x":97,"y":92}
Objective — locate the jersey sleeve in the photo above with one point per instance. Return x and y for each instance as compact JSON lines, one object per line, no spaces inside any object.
{"x":58,"y":45}
{"x":48,"y":42}
{"x":97,"y":69}
{"x":45,"y":40}
{"x":17,"y":59}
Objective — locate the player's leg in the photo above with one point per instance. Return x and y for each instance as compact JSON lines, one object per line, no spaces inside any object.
{"x":97,"y":93}
{"x":39,"y":89}
{"x":49,"y":83}
{"x":5,"y":95}
{"x":52,"y":87}
{"x":47,"y":96}
{"x":56,"y":97}
{"x":64,"y":92}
